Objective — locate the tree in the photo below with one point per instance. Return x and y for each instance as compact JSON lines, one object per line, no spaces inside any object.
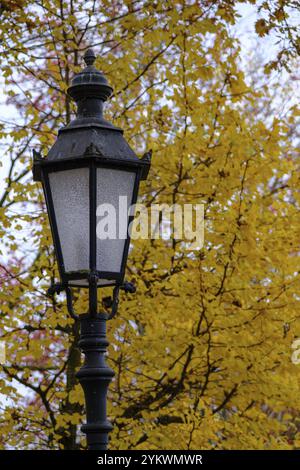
{"x":202,"y":350}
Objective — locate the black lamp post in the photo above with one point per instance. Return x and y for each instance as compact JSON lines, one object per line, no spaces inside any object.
{"x":90,"y":164}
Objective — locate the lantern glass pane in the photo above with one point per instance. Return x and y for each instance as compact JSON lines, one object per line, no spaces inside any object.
{"x":70,"y":195}
{"x":114,"y":197}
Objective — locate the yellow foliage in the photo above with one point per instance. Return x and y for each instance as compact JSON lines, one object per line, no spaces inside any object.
{"x":202,"y":351}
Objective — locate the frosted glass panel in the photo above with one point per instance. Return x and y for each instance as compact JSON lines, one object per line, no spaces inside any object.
{"x":110,"y":185}
{"x":70,"y":194}
{"x":85,"y":282}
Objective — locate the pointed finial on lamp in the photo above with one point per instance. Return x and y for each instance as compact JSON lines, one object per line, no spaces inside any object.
{"x":89,"y":57}
{"x":89,"y":89}
{"x":147,"y":156}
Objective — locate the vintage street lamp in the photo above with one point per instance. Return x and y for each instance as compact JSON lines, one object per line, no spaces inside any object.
{"x":90,"y":165}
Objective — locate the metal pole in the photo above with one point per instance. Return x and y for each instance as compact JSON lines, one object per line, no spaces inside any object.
{"x":95,"y":377}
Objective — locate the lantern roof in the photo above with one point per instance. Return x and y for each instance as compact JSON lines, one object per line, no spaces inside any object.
{"x":89,"y":134}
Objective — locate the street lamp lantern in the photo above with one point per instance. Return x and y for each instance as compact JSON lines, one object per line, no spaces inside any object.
{"x":90,"y":165}
{"x":89,"y":170}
